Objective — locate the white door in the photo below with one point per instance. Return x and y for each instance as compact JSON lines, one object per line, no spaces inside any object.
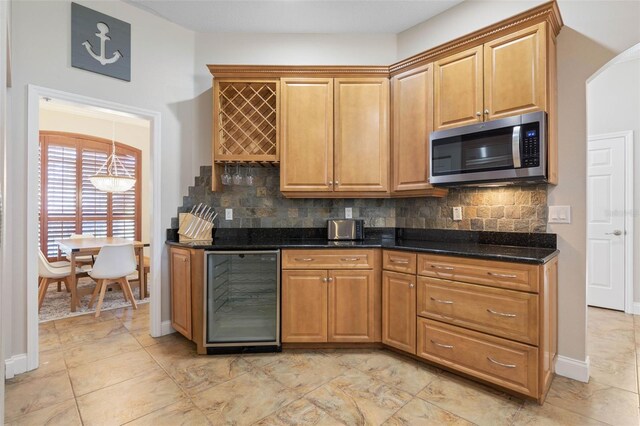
{"x":606,"y":222}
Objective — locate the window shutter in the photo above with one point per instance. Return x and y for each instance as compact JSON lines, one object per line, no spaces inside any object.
{"x":124,"y":204}
{"x":95,"y":204}
{"x":61,"y":195}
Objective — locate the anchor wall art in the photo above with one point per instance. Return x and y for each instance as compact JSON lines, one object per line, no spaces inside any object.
{"x":100,"y":43}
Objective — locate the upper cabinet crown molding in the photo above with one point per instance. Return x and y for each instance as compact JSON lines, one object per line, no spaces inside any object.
{"x":548,"y":12}
{"x":271,"y":71}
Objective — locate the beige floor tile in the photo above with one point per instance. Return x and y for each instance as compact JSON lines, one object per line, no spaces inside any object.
{"x":178,"y":414}
{"x":72,"y":322}
{"x":196,"y":373}
{"x":399,"y":371}
{"x":109,"y":371}
{"x":550,"y":415}
{"x":90,"y":332}
{"x":419,"y":412}
{"x":260,"y":360}
{"x":353,"y":358}
{"x":621,"y":375}
{"x":86,"y":352}
{"x":301,"y":412}
{"x":32,"y":395}
{"x":62,"y":414}
{"x":595,"y":400}
{"x":129,"y":400}
{"x":48,"y":338}
{"x":144,"y":338}
{"x":244,"y":400}
{"x":614,"y":350}
{"x":134,"y":319}
{"x":357,"y":398}
{"x":476,"y":403}
{"x":50,"y":362}
{"x":304,"y":372}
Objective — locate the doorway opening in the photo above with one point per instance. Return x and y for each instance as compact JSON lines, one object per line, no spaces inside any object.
{"x":69,"y":137}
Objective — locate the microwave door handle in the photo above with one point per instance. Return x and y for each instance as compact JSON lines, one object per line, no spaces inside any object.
{"x":515,"y":147}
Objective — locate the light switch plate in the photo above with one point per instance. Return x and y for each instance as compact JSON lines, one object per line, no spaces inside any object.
{"x":228,"y":214}
{"x":457,"y":213}
{"x":559,"y":214}
{"x":348,"y":213}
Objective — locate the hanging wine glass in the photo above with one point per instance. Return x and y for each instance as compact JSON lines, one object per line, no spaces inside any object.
{"x":249,"y":177}
{"x":226,"y":176}
{"x":237,"y":177}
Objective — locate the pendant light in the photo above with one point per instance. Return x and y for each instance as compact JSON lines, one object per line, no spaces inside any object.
{"x":112,"y":175}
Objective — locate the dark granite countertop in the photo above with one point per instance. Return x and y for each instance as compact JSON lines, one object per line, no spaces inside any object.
{"x":512,"y":247}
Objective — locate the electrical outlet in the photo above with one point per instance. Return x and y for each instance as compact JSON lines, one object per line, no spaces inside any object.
{"x":348,"y":213}
{"x":228,"y":214}
{"x":457,"y":213}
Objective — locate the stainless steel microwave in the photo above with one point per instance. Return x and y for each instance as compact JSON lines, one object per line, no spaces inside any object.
{"x":508,"y":150}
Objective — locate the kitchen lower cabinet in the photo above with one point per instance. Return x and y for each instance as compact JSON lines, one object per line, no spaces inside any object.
{"x":331,"y":305}
{"x":399,"y":311}
{"x":180,"y":270}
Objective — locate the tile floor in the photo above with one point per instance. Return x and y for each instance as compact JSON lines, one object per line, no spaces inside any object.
{"x":110,"y":371}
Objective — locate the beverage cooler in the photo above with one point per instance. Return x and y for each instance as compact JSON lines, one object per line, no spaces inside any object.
{"x":242,"y":301}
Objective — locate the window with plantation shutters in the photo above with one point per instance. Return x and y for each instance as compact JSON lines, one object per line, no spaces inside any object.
{"x":69,"y":203}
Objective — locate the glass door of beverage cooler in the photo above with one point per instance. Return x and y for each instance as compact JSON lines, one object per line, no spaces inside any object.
{"x":242,"y":298}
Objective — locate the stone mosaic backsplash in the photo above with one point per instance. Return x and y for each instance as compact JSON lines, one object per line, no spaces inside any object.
{"x":513,"y":209}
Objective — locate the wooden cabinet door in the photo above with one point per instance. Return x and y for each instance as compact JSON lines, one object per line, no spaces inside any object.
{"x":351,"y":306}
{"x":361,"y":134}
{"x":457,"y":89}
{"x":180,"y":270}
{"x":399,"y":311}
{"x":515,"y":73}
{"x":412,"y":94}
{"x":304,"y":306}
{"x":306,"y":118}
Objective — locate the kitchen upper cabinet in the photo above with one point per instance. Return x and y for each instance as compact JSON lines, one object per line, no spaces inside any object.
{"x":304,"y":306}
{"x":457,"y":92}
{"x":351,"y":306}
{"x":399,"y":311}
{"x":412,"y":94}
{"x":306,"y":112}
{"x":515,"y":73}
{"x":361,"y":134}
{"x":180,"y":270}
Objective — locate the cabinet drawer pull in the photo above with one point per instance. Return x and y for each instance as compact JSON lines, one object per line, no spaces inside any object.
{"x":445,"y":268}
{"x":403,"y":262}
{"x":502,"y":314}
{"x":501,"y":364}
{"x":495,"y":274}
{"x":446,"y":302}
{"x":303,"y":259}
{"x":350,"y":259}
{"x":442,"y":345}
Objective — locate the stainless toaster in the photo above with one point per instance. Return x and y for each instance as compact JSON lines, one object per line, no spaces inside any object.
{"x":345,"y":229}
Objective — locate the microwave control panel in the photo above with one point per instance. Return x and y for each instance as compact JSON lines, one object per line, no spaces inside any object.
{"x":530,"y":145}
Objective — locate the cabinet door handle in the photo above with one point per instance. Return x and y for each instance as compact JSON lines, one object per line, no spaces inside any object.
{"x":502,"y":314}
{"x":411,"y":285}
{"x":442,"y":345}
{"x":478,"y":114}
{"x":446,"y":302}
{"x":330,"y":280}
{"x":486,"y":111}
{"x":495,"y":274}
{"x":501,"y":363}
{"x":330,"y":182}
{"x":445,"y":268}
{"x":350,"y":259}
{"x":303,"y":259}
{"x":324,"y":280}
{"x":402,"y":262}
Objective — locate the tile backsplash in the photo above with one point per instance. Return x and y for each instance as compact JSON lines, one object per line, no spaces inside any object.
{"x":514,"y":208}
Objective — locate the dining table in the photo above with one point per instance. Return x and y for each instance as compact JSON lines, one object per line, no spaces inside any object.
{"x":74,"y":247}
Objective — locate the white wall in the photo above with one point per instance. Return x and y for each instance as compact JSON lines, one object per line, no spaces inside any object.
{"x":613,"y":105}
{"x":161,"y":80}
{"x":132,"y":132}
{"x":594,"y":32}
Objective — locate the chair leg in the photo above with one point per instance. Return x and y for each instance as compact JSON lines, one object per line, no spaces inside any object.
{"x":59,"y":286}
{"x":101,"y":299}
{"x":95,"y":293}
{"x":44,"y":285}
{"x":127,"y":287}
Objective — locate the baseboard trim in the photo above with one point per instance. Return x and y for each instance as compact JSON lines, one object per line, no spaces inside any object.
{"x":573,"y":368}
{"x":17,"y":364}
{"x":636,"y":308}
{"x":166,"y":328}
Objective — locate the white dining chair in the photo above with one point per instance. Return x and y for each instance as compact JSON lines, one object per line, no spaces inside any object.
{"x":112,"y":266}
{"x":54,"y":272}
{"x":86,"y":259}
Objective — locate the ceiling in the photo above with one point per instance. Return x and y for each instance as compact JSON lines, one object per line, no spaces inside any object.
{"x":93,"y":112}
{"x":296,"y":16}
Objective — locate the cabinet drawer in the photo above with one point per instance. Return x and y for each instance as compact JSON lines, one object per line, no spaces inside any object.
{"x":327,"y":259}
{"x":505,"y":363}
{"x":399,"y":261}
{"x":516,"y":276}
{"x":505,"y":313}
